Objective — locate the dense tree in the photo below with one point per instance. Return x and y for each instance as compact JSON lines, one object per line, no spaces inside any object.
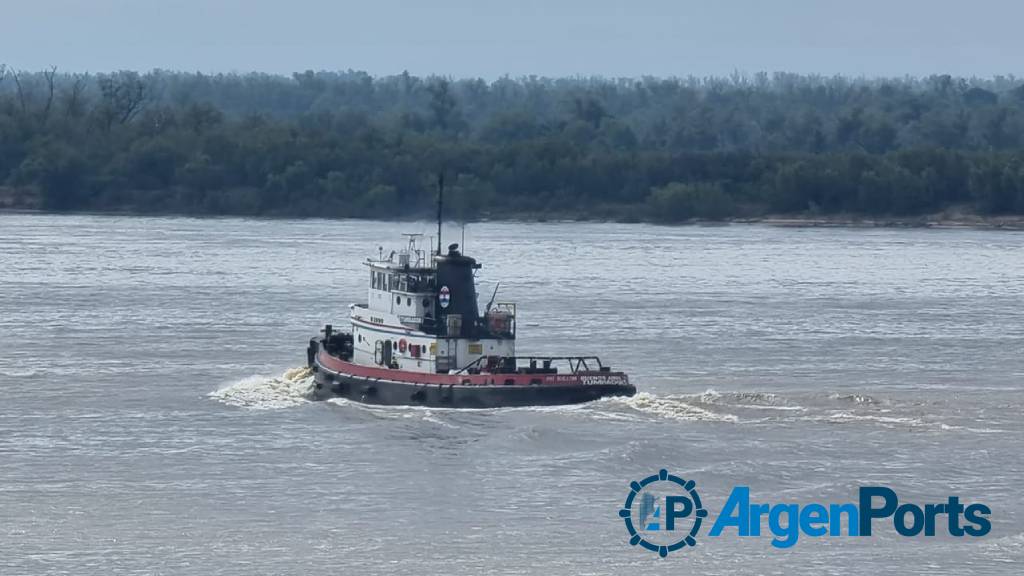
{"x":349,"y":144}
{"x":677,"y":202}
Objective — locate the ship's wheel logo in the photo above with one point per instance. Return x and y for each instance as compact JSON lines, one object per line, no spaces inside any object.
{"x":663,"y":513}
{"x":445,"y":297}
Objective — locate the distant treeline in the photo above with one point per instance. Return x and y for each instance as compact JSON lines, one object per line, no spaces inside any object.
{"x":349,"y":144}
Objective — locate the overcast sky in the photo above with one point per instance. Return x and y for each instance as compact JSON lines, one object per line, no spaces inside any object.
{"x":518,"y":37}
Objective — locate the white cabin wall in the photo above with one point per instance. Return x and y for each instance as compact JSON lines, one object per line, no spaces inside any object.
{"x":411,"y":304}
{"x":365,"y":340}
{"x":385,"y":295}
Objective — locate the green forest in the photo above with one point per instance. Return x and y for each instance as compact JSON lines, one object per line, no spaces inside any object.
{"x":348,"y":144}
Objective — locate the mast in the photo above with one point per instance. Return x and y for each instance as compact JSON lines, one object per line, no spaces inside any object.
{"x":440,"y":204}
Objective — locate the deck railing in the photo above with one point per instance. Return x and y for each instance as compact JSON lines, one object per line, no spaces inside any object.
{"x":512,"y":364}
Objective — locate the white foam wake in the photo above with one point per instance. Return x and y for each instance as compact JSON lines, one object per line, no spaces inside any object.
{"x":292,"y":388}
{"x":1007,"y":549}
{"x":671,"y":407}
{"x":745,"y":400}
{"x":846,"y":417}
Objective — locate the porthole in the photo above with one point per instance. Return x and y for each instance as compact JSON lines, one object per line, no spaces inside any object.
{"x":398,"y":299}
{"x":408,"y":301}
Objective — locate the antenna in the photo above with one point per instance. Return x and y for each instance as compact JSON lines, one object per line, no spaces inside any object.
{"x":440,"y":205}
{"x":493,"y":296}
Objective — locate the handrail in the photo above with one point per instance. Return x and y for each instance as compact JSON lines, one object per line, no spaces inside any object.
{"x":575,"y":362}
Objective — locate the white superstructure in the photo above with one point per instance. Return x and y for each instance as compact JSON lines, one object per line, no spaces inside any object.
{"x":422,"y":316}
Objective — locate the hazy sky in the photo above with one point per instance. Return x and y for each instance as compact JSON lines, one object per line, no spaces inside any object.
{"x":519,"y":37}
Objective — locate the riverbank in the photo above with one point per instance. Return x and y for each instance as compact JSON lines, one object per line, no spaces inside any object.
{"x":938,"y":221}
{"x":950,"y":218}
{"x":21,"y":201}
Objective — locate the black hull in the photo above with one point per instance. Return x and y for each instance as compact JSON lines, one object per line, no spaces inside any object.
{"x":330,"y":384}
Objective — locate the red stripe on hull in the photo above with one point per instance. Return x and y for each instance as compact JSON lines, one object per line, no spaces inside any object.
{"x":578,"y":379}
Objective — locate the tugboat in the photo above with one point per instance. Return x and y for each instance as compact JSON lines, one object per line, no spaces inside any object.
{"x":420,"y":340}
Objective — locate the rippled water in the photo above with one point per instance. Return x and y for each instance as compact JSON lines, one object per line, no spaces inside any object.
{"x":152,"y":423}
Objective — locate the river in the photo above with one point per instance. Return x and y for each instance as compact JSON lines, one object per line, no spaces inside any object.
{"x":151,"y":422}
